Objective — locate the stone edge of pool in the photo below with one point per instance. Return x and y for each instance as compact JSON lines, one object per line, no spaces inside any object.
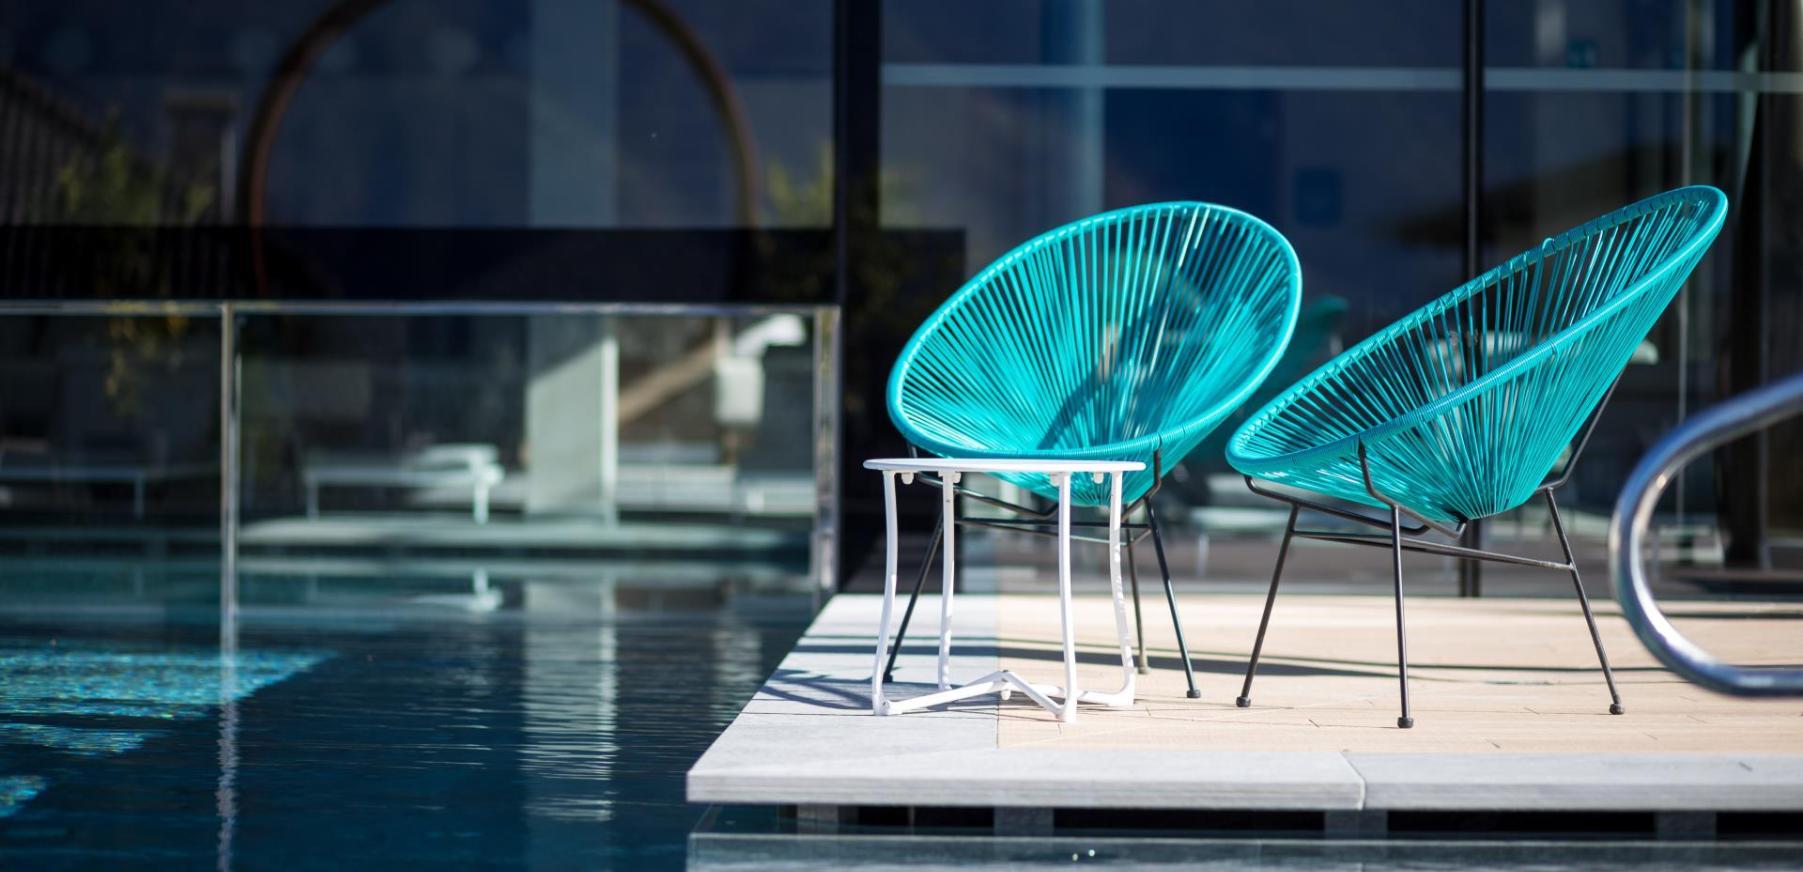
{"x":808,"y":739}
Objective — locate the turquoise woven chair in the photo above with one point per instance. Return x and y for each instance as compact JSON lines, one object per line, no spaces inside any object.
{"x":1463,"y":409}
{"x":1125,"y":336}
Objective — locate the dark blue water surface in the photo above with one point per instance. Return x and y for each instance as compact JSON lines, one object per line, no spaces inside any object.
{"x":402,"y":724}
{"x":553,"y":731}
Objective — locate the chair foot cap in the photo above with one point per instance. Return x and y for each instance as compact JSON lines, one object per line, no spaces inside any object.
{"x":888,"y":678}
{"x":1193,"y":694}
{"x":1616,"y":709}
{"x":1145,"y":670}
{"x":1243,"y":702}
{"x":1405,"y":723}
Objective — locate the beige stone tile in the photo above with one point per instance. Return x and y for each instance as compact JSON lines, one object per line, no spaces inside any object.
{"x":1485,"y":676}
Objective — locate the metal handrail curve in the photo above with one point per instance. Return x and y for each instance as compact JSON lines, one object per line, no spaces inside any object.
{"x":1714,"y":426}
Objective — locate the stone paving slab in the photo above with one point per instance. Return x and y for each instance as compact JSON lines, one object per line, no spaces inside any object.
{"x":1509,"y":715}
{"x":1605,"y":782}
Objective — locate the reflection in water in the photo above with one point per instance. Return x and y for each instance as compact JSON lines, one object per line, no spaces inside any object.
{"x":226,"y":797}
{"x":553,"y":732}
{"x":16,"y":790}
{"x":83,"y":678}
{"x":96,"y":688}
{"x":571,"y":707}
{"x":1188,"y":853}
{"x":75,"y":740}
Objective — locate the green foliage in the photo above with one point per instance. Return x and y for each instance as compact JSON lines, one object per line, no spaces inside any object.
{"x":112,"y":187}
{"x":799,"y":201}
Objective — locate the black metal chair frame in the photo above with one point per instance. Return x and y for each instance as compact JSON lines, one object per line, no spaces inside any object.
{"x":1043,"y":522}
{"x":1400,"y":539}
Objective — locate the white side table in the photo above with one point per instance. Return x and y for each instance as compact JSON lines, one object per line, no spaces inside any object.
{"x":950,"y":472}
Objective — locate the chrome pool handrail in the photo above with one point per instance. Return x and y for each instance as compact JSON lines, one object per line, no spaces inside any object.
{"x":1724,"y":422}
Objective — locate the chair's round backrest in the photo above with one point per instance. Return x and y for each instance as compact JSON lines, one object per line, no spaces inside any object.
{"x":1466,"y":404}
{"x":1124,"y":333}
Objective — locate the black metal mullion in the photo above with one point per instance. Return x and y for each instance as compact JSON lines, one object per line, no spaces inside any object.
{"x":1472,"y":115}
{"x":1742,"y":465}
{"x":857,"y":162}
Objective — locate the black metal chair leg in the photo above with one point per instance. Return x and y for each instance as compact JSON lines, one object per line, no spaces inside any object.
{"x":1289,"y":529}
{"x":1402,"y":637}
{"x":1139,"y":623}
{"x":1170,"y":595}
{"x":902,"y":631}
{"x":1596,"y":638}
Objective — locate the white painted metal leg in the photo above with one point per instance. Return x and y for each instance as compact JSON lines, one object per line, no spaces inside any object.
{"x":878,"y":705}
{"x":948,"y":497}
{"x":1129,"y":678}
{"x":1073,"y":693}
{"x":1060,"y":700}
{"x":992,"y":683}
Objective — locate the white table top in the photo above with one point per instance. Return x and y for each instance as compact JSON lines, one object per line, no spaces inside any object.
{"x":999,"y":464}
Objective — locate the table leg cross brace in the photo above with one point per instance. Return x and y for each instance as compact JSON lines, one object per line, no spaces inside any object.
{"x":1005,"y":682}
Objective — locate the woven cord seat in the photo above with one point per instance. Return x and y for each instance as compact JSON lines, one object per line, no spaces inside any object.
{"x":1465,"y":405}
{"x":1129,"y":335}
{"x":1462,"y":409}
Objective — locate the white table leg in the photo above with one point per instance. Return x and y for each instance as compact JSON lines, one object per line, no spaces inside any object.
{"x":1062,"y":701}
{"x":878,"y":705}
{"x":948,"y":498}
{"x":1071,"y":693}
{"x":1129,"y":678}
{"x":1128,"y":675}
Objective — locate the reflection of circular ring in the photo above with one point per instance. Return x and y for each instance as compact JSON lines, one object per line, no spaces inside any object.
{"x":297,"y":63}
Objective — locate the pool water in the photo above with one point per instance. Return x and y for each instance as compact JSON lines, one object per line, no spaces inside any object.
{"x":552,"y":737}
{"x":543,"y":725}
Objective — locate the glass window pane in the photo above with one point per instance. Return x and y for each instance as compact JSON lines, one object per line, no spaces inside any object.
{"x":412,"y":113}
{"x":434,"y":450}
{"x":109,"y":463}
{"x":1345,"y":135}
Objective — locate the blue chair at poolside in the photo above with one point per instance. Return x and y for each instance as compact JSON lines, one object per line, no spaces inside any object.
{"x":1463,"y":409}
{"x":1129,"y":335}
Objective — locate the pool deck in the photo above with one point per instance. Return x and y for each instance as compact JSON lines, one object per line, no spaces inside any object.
{"x":1510,"y":716}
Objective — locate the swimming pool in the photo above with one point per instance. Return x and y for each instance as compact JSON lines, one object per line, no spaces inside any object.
{"x":531,"y":724}
{"x":549,"y":733}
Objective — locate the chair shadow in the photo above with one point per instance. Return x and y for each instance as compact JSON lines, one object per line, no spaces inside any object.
{"x":1681,"y":614}
{"x":1218,"y":663}
{"x":853,"y":694}
{"x":1210,"y":664}
{"x":1221,"y":663}
{"x":841,"y":694}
